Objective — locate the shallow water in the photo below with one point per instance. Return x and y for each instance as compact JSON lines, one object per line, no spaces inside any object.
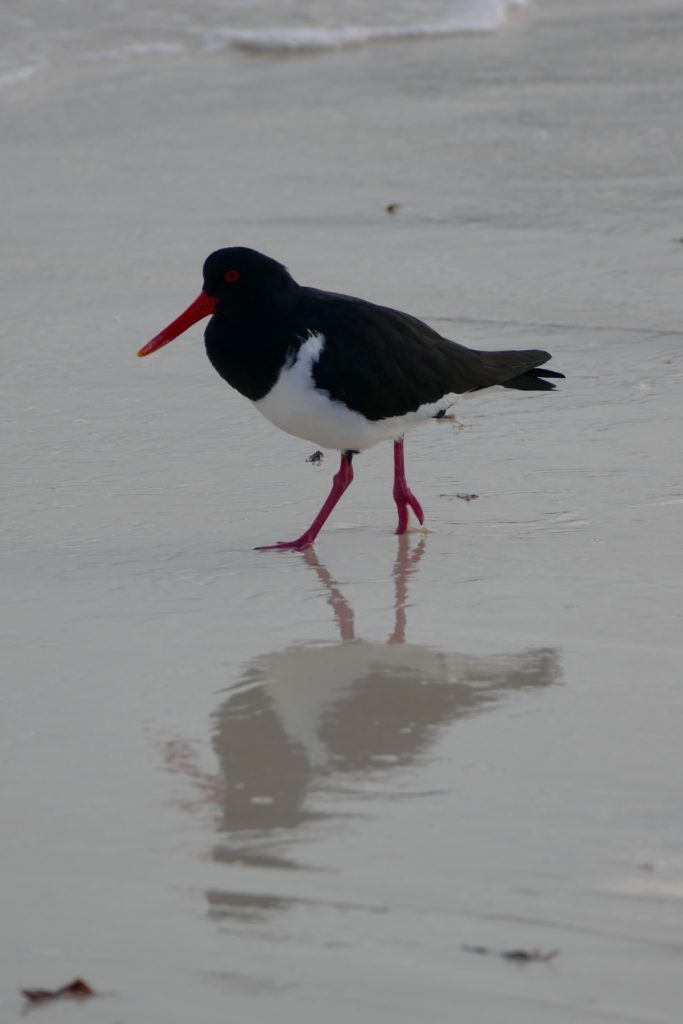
{"x":40,"y":37}
{"x":277,"y":783}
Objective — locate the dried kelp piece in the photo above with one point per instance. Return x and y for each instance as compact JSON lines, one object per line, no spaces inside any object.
{"x":76,"y":989}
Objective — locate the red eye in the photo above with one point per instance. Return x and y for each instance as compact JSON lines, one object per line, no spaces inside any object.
{"x":232,"y":275}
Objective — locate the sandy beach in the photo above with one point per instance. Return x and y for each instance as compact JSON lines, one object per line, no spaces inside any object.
{"x":266,"y":787}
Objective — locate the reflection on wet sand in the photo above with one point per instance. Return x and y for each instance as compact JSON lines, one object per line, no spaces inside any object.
{"x":322,"y":718}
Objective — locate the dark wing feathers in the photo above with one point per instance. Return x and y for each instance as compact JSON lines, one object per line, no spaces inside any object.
{"x":382,"y":362}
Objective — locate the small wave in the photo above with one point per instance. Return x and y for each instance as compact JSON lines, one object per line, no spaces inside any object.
{"x":484,"y":16}
{"x":18,"y":75}
{"x":135,"y":50}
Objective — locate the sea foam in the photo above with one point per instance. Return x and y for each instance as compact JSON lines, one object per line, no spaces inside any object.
{"x":15,"y":76}
{"x":482,"y":16}
{"x":135,"y":50}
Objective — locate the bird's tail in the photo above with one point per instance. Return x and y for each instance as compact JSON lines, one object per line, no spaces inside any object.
{"x":522,"y":370}
{"x":534,"y":380}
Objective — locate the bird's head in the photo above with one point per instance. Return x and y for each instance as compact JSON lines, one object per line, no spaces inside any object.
{"x":237,"y":281}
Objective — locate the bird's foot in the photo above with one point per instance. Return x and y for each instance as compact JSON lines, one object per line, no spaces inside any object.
{"x":341,"y":481}
{"x":301,"y":544}
{"x":405,"y":499}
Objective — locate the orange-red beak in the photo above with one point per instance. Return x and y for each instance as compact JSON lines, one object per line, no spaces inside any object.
{"x":203,"y":305}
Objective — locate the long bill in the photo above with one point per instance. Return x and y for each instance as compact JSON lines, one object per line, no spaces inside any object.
{"x":203,"y":305}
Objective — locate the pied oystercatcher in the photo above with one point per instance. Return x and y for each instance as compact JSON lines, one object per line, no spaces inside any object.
{"x":335,"y":370}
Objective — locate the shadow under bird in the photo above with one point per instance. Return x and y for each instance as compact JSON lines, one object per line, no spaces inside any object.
{"x":335,"y":370}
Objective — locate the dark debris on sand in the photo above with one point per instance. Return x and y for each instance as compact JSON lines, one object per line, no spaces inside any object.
{"x":520,"y":956}
{"x":76,"y":989}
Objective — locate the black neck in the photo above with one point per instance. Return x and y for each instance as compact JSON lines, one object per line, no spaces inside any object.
{"x":248,"y":348}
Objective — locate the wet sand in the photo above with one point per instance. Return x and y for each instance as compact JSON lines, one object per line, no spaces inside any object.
{"x":269,"y":787}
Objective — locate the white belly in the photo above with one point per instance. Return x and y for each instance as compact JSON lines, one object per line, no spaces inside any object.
{"x":297,"y":407}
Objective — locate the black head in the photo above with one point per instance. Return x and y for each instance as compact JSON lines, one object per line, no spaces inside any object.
{"x":238,"y":282}
{"x":240,"y":278}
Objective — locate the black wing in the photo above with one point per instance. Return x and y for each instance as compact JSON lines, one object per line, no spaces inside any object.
{"x":382,"y":362}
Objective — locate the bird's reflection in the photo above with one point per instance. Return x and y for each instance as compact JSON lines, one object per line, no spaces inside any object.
{"x":303,"y":718}
{"x":315,"y":719}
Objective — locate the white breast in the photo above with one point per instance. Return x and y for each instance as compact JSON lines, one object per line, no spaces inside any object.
{"x":298,"y":407}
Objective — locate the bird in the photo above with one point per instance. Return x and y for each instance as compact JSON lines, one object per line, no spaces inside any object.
{"x":335,"y":370}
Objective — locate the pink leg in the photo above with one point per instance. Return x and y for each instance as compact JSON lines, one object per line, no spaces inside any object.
{"x":403,"y":496}
{"x":341,"y":481}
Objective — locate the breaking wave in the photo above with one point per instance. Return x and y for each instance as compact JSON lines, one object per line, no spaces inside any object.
{"x":483,"y":16}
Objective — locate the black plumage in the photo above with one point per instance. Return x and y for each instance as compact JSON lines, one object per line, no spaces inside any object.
{"x":380,"y":362}
{"x":340,"y":371}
